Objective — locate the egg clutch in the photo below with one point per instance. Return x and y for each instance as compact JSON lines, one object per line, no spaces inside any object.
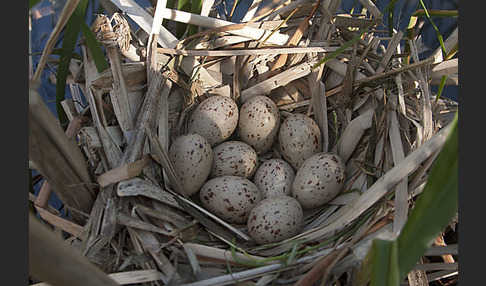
{"x":220,"y":158}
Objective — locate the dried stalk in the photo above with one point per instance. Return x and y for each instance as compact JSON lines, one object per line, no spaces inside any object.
{"x":52,"y":260}
{"x":58,"y":158}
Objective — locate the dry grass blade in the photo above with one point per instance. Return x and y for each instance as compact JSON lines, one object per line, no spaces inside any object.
{"x":151,"y":245}
{"x":196,"y":268}
{"x":123,"y":172}
{"x":146,"y":116}
{"x":441,"y":250}
{"x":139,"y":187}
{"x":225,"y":256}
{"x":66,"y":225}
{"x":246,"y":52}
{"x":401,"y":192}
{"x":319,"y":105}
{"x":353,"y":133}
{"x":427,"y":121}
{"x":278,"y":80}
{"x":165,"y":214}
{"x":436,"y":266}
{"x":209,"y":22}
{"x":131,"y":72}
{"x":295,"y":39}
{"x":167,"y":165}
{"x":138,"y":224}
{"x":390,"y":51}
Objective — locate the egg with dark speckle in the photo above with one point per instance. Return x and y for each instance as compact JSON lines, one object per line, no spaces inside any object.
{"x":215,"y":119}
{"x":234,"y":158}
{"x":192,"y":158}
{"x":319,"y":180}
{"x":299,"y":138}
{"x":259,"y":122}
{"x":274,"y":177}
{"x":230,"y":198}
{"x":275,"y":219}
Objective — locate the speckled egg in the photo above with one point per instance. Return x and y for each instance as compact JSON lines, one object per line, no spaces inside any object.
{"x":299,"y":138}
{"x":259,"y":122}
{"x":215,"y":119}
{"x":275,"y":219}
{"x":274,"y":178}
{"x":319,"y":180}
{"x":230,"y":197}
{"x":192,"y":158}
{"x":234,"y":158}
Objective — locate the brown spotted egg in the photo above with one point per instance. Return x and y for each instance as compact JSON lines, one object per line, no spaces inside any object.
{"x":274,"y":177}
{"x":230,"y":197}
{"x":192,"y":158}
{"x":299,"y":138}
{"x":259,"y":122}
{"x":319,"y":180}
{"x":275,"y":219}
{"x":234,"y":158}
{"x":215,"y":119}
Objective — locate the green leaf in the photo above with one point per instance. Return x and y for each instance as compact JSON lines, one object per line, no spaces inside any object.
{"x":32,"y":3}
{"x":437,"y":13}
{"x":439,"y":36}
{"x":95,"y":48}
{"x":435,"y":207}
{"x":71,"y":33}
{"x":384,"y":261}
{"x":441,"y":88}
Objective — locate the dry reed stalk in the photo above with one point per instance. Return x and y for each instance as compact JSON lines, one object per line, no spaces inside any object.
{"x":57,"y":157}
{"x":52,"y":260}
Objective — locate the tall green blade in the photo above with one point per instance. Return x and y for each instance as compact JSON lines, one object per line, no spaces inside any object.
{"x":384,"y":261}
{"x":435,"y":207}
{"x":71,"y":33}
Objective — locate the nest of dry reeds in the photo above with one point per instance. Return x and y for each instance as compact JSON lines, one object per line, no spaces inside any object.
{"x":371,"y":101}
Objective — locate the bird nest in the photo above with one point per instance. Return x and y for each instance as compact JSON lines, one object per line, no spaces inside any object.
{"x":371,"y":102}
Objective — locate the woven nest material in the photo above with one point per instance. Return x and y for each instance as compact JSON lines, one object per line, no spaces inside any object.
{"x":373,"y":106}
